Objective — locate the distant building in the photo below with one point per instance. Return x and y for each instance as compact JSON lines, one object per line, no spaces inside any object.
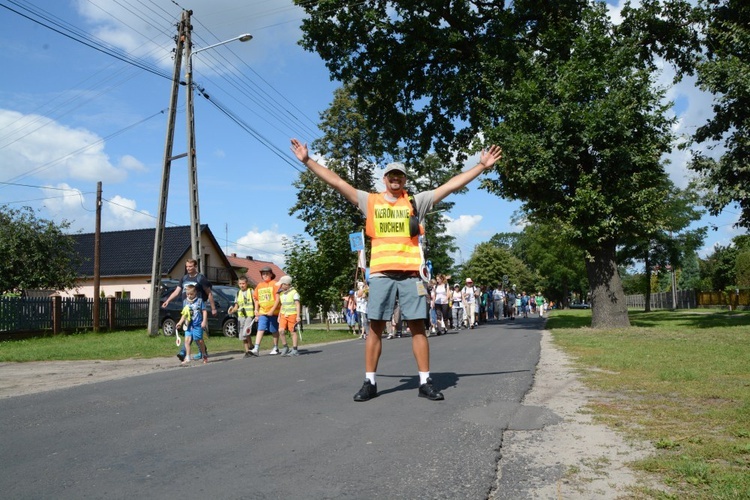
{"x":127,"y":259}
{"x":252,"y":268}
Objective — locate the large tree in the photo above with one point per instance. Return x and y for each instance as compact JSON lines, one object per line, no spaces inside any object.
{"x":724,"y":70}
{"x":585,"y":130}
{"x":565,"y":92}
{"x":36,"y":253}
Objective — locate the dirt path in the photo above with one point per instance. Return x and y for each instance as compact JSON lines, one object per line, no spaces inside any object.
{"x":17,"y":379}
{"x":595,"y":456}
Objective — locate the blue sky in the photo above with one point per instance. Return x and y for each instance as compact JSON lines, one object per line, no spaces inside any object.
{"x":71,"y":116}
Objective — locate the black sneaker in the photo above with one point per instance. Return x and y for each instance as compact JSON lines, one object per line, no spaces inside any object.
{"x":248,"y":354}
{"x":367,"y":392}
{"x":427,"y":391}
{"x":180,"y":356}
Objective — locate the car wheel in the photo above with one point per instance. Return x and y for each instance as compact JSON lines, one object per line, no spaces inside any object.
{"x":168,"y":327}
{"x":230,"y":328}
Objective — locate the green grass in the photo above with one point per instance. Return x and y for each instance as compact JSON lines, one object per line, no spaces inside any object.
{"x":134,"y":344}
{"x":680,"y":380}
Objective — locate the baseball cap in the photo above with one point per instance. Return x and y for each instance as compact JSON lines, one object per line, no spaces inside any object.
{"x":395,"y":166}
{"x":468,"y":280}
{"x":285,"y":280}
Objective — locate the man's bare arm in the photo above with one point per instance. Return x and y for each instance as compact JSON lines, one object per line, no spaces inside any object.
{"x":486,"y":159}
{"x":328,"y":176}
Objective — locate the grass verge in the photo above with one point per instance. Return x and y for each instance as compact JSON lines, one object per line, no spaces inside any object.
{"x":680,"y":380}
{"x":133,"y":344}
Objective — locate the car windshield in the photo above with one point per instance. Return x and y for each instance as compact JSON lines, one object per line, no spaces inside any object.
{"x":229,"y":291}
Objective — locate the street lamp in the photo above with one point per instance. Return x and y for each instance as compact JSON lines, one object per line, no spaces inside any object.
{"x":195,"y":219}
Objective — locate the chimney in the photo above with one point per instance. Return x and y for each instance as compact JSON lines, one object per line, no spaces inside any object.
{"x":249,"y":257}
{"x":233,"y":254}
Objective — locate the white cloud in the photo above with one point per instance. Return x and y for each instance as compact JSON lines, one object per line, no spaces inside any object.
{"x":122,"y":213}
{"x":118,"y":213}
{"x":128,"y":162}
{"x":462,"y":226}
{"x":265,"y":245}
{"x":59,"y":152}
{"x":64,"y":199}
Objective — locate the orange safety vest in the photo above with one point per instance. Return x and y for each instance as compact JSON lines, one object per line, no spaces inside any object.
{"x":388,"y":227}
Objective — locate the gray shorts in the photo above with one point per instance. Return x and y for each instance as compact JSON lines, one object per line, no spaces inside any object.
{"x":383,"y":293}
{"x":244,"y":327}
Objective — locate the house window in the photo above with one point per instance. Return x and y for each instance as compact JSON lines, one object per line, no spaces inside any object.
{"x":122,"y":295}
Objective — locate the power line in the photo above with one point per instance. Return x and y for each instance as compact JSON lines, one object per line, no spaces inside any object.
{"x":81,"y":37}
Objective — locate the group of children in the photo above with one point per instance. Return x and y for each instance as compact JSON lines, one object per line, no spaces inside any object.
{"x":274,"y":305}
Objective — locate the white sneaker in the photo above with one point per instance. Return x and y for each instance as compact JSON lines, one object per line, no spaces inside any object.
{"x":254,"y":352}
{"x":274,"y":351}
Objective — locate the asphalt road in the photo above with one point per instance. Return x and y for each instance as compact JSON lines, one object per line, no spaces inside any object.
{"x":273,"y":427}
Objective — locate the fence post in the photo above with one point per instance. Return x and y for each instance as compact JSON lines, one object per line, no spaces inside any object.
{"x":111,"y":313}
{"x":56,"y":314}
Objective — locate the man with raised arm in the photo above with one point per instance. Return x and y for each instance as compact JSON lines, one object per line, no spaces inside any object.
{"x":393,"y":223}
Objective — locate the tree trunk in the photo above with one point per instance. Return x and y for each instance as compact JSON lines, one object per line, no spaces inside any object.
{"x":608,"y":306}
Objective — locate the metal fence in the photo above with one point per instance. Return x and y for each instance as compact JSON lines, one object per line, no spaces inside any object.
{"x":55,"y":314}
{"x":690,"y":299}
{"x":685,"y":299}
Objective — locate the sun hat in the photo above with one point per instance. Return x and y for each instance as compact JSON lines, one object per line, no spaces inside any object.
{"x":267,"y":269}
{"x":468,"y":280}
{"x":285,"y":280}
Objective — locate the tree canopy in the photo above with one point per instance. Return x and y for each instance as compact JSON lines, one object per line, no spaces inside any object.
{"x":724,"y":70}
{"x":36,"y":253}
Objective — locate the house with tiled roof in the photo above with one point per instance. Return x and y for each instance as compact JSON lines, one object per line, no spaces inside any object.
{"x":251,"y":267}
{"x":126,"y":259}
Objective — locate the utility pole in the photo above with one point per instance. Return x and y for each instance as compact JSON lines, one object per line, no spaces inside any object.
{"x":195,"y":216}
{"x":153,"y":306}
{"x":184,"y":49}
{"x":97,"y":254}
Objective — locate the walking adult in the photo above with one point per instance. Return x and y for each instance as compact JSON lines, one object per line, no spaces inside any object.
{"x":440,"y":296}
{"x":393,"y":223}
{"x":203,"y":289}
{"x":202,"y":285}
{"x":457,"y":305}
{"x":497,"y":302}
{"x":469,"y":292}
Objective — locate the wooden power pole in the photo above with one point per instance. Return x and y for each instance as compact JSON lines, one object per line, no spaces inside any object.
{"x":183,"y":29}
{"x":97,"y":254}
